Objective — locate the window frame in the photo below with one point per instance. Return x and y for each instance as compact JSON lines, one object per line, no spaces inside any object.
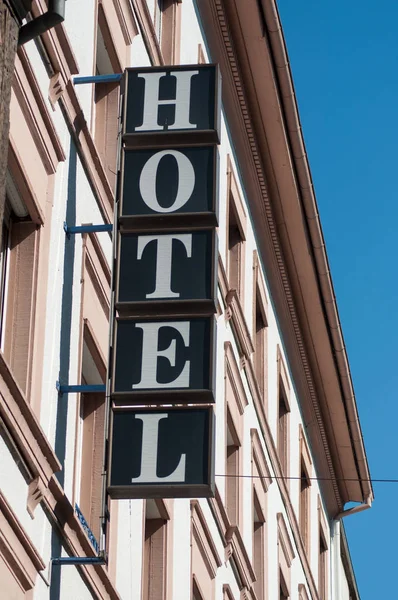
{"x":286,"y":555}
{"x":323,"y":554}
{"x":261,"y":481}
{"x":235,"y":208}
{"x":235,"y":404}
{"x":16,"y":548}
{"x":283,"y":418}
{"x":305,"y":466}
{"x":260,"y":337}
{"x":158,"y":537}
{"x":203,"y":549}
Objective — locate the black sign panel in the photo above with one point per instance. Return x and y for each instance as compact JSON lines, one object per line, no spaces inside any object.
{"x":161,"y":453}
{"x":171,"y":101}
{"x":167,"y":184}
{"x":174,"y":269}
{"x":161,"y":361}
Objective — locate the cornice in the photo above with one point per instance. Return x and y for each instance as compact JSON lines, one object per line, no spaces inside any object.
{"x":238,"y":113}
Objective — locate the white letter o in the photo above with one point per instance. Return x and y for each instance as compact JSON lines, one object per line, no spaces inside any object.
{"x":186,"y":181}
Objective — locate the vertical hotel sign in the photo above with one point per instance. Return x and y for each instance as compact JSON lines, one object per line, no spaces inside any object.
{"x":163,"y":350}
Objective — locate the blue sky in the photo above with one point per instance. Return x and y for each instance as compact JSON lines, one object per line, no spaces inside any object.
{"x":343,"y":57}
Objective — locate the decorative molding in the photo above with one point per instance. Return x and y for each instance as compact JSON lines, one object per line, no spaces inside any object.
{"x":18,"y":547}
{"x":305,"y":454}
{"x":126,"y":19}
{"x":282,"y":372}
{"x":234,"y":196}
{"x":234,"y":377}
{"x":240,"y":557}
{"x":57,"y":44}
{"x":204,"y":539}
{"x":64,"y":64}
{"x":284,"y":540}
{"x":55,"y":89}
{"x":323,"y":528}
{"x":222,"y":278}
{"x":220,"y":516}
{"x":94,"y":348}
{"x":36,"y":493}
{"x":148,"y":32}
{"x":27,"y":432}
{"x":259,"y":286}
{"x":260,"y":461}
{"x":228,"y":595}
{"x":23,"y":184}
{"x":235,"y":313}
{"x":303,"y":592}
{"x":118,"y":62}
{"x":255,"y":390}
{"x":36,"y":113}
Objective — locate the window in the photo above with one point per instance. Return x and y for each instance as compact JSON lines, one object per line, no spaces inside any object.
{"x":157,"y":18}
{"x":236,"y":403}
{"x":106,"y":99}
{"x":283,"y":590}
{"x":258,"y":546}
{"x":305,"y":492}
{"x":260,"y":323}
{"x":18,"y":267}
{"x":205,"y":560}
{"x":154,"y":555}
{"x":4,"y":257}
{"x":235,"y":236}
{"x":260,"y":342}
{"x":20,"y":562}
{"x":196,"y":595}
{"x":285,"y":558}
{"x":283,"y":416}
{"x":235,"y":248}
{"x":232,"y":472}
{"x":302,"y":592}
{"x":304,"y":506}
{"x":235,"y":254}
{"x":323,"y":551}
{"x":322,"y":555}
{"x":261,"y":481}
{"x":167,"y":24}
{"x":92,"y":413}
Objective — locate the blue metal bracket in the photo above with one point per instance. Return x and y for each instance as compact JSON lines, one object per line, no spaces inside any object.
{"x":78,"y":560}
{"x":73,"y":229}
{"x":79,"y":389}
{"x":111,"y":78}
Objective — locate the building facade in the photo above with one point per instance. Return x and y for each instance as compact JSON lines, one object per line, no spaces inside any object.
{"x":289,"y":452}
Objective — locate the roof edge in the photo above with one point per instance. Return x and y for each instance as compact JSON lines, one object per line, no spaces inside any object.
{"x":288,"y":100}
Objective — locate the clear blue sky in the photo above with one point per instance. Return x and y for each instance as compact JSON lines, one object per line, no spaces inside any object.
{"x":344,"y":59}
